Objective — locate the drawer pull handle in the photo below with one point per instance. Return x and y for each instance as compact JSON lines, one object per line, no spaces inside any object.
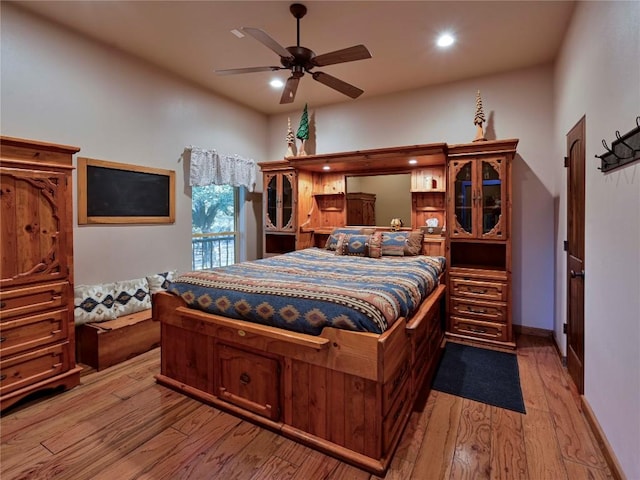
{"x":3,"y":304}
{"x":477,"y":330}
{"x":480,"y":292}
{"x":476,"y":310}
{"x":575,"y":274}
{"x":2,"y":339}
{"x":2,"y":377}
{"x":245,"y":378}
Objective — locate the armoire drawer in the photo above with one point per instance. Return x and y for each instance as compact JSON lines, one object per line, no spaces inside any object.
{"x":25,"y":333}
{"x":23,"y":301}
{"x":479,"y":329}
{"x":479,"y":289}
{"x":487,"y":311}
{"x":248,"y":380}
{"x":29,"y":368}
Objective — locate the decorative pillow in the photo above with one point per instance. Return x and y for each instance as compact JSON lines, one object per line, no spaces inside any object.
{"x":393,"y":243}
{"x":132,"y":296}
{"x":375,"y":245}
{"x":332,"y":241}
{"x":353,"y":245}
{"x":160,"y":281}
{"x":414,"y":242}
{"x":94,"y":303}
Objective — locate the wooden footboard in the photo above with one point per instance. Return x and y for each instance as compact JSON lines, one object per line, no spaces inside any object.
{"x":348,"y":394}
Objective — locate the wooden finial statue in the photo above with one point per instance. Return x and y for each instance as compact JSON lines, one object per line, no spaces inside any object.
{"x":291,"y":140}
{"x":479,"y":120}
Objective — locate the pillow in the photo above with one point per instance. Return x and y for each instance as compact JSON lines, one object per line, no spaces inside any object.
{"x":353,"y":245}
{"x":375,"y":245}
{"x":132,"y":296}
{"x":160,"y":281}
{"x":414,"y":242}
{"x":332,"y":241}
{"x":393,"y":243}
{"x":94,"y":303}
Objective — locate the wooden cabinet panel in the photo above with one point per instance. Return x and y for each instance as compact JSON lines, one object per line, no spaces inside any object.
{"x":248,"y":380}
{"x":33,"y":331}
{"x":37,"y":348}
{"x":24,"y":370}
{"x":479,"y":289}
{"x":395,"y":419}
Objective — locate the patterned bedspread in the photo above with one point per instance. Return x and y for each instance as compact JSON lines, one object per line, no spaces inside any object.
{"x":309,"y":289}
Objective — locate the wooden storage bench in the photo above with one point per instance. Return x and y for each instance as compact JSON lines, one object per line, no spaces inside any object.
{"x":101,"y":345}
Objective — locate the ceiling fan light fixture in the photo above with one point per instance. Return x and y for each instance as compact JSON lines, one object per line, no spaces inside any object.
{"x":445,"y":40}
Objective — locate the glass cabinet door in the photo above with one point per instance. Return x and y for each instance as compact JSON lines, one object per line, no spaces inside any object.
{"x":492,"y":198}
{"x":287,"y":202}
{"x":463,"y":199}
{"x":271,"y":221}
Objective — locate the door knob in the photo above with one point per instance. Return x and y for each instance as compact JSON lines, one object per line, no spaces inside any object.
{"x":579,"y":274}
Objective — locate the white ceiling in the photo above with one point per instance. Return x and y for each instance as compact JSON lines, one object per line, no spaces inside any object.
{"x":193,"y":38}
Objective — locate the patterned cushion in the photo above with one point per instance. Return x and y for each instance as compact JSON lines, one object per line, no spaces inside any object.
{"x":414,"y":242}
{"x":160,"y":281}
{"x":353,"y":245}
{"x":375,"y":245}
{"x":132,"y":296}
{"x":94,"y":303}
{"x":393,"y":243}
{"x":332,"y":241}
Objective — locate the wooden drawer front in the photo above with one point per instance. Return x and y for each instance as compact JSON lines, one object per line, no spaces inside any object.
{"x":29,"y":368}
{"x":34,"y":331}
{"x":23,"y":301}
{"x":489,"y":311}
{"x":461,"y":287}
{"x":479,"y":329}
{"x":248,"y":380}
{"x":393,"y":387}
{"x":396,"y":417}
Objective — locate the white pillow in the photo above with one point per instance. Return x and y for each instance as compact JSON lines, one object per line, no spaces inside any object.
{"x":94,"y":303}
{"x":131,"y":296}
{"x":160,"y":281}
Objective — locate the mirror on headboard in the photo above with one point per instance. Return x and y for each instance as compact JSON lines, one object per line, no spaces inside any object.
{"x":392,"y":199}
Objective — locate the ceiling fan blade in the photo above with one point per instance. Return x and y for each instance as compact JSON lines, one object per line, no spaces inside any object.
{"x":290,"y":88}
{"x":351,"y":54}
{"x":233,"y":71}
{"x":264,"y":38}
{"x":337,"y":84}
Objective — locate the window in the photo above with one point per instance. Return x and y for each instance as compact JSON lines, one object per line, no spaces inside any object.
{"x":213,"y":226}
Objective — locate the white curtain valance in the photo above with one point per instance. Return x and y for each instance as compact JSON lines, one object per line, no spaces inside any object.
{"x":208,"y":167}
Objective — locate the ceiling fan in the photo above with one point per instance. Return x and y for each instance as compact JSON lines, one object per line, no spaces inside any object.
{"x":300,"y":59}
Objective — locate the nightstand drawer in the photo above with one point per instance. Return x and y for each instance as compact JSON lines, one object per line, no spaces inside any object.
{"x":479,"y":329}
{"x":23,"y":301}
{"x":479,"y":289}
{"x":30,"y":368}
{"x":22,"y":334}
{"x":487,"y":311}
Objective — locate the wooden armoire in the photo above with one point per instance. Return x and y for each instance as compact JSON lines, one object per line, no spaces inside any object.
{"x":37,"y":347}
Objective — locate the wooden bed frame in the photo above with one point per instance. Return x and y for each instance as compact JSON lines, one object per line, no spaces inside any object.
{"x":347,"y":394}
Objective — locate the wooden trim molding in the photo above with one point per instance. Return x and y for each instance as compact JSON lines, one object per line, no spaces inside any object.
{"x":598,"y":433}
{"x":537,"y":332}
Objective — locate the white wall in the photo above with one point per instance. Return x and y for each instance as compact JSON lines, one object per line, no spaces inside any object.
{"x":598,"y":75}
{"x":517,"y":105}
{"x":62,"y":88}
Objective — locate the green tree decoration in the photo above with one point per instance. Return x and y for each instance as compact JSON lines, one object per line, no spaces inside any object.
{"x":479,"y":119}
{"x":303,"y":131}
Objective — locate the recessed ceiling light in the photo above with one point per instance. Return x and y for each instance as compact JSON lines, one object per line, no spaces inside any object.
{"x":326,"y":167}
{"x":276,"y":83}
{"x":237,"y":33}
{"x":413,"y":161}
{"x":445,"y":40}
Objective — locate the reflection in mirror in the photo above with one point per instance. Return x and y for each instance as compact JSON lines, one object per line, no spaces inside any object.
{"x":392,"y":197}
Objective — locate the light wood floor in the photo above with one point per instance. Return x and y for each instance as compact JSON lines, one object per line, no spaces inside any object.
{"x":120,"y":424}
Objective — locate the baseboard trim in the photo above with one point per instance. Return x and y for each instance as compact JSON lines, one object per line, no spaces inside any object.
{"x":609,"y":455}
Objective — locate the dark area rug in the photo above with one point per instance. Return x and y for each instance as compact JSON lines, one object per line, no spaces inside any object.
{"x":487,"y":376}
